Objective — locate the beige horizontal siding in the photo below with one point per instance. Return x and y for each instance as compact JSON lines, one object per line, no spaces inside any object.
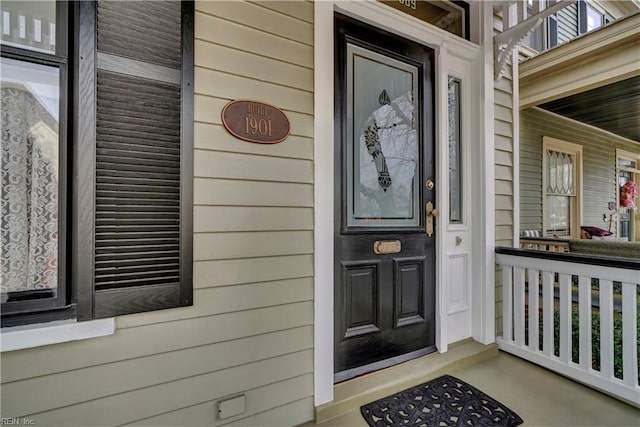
{"x":504,"y":188}
{"x":118,"y":377}
{"x":258,"y":401}
{"x":149,"y":401}
{"x":295,"y":413}
{"x":503,"y":169}
{"x":210,"y":219}
{"x":504,"y":203}
{"x":504,"y":234}
{"x":234,"y":298}
{"x":237,"y":36}
{"x":268,"y":21}
{"x":250,"y":330}
{"x":503,"y":143}
{"x":504,"y":173}
{"x":251,"y":193}
{"x":504,"y":218}
{"x":222,"y":85}
{"x":504,"y":129}
{"x":503,"y":113}
{"x":248,"y":65}
{"x":296,"y":9}
{"x":503,"y":99}
{"x":503,"y":158}
{"x":141,"y":342}
{"x":226,"y":165}
{"x":249,"y":245}
{"x":213,"y":273}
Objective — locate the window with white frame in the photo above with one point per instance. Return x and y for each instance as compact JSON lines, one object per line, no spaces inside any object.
{"x":561,"y":184}
{"x":628,"y":169}
{"x":594,"y":18}
{"x":592,"y":15}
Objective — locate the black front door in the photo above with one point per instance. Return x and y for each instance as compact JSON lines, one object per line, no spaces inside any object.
{"x":385,"y":247}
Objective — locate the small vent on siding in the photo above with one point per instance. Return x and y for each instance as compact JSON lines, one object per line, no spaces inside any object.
{"x":148,"y":31}
{"x":137,"y":182}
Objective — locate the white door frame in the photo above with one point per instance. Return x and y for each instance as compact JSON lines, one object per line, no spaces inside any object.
{"x":453,"y":55}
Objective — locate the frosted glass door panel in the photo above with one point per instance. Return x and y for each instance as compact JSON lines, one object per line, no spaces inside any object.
{"x":382,"y":140}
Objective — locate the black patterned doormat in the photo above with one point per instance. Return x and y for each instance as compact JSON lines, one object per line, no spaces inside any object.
{"x":445,"y":401}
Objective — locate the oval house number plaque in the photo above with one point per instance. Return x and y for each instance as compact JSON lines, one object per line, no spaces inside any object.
{"x":255,"y":121}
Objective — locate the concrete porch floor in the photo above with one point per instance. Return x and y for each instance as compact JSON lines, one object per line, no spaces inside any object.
{"x":540,"y":397}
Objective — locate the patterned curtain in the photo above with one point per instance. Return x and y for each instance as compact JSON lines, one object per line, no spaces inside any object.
{"x":29,"y":193}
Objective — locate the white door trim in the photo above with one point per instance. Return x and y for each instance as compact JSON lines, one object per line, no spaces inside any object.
{"x":386,"y":18}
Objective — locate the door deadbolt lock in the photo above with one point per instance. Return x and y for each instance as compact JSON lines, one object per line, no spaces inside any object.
{"x":430,"y":185}
{"x":431,"y":213}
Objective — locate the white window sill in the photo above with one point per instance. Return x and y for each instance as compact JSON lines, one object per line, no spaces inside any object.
{"x":28,"y":336}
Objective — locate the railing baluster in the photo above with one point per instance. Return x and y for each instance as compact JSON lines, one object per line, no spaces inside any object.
{"x":507,"y":297}
{"x":565,"y":317}
{"x":22,"y":27}
{"x":52,"y":34}
{"x":519,"y":265}
{"x":547,"y":312}
{"x":606,"y":328}
{"x":522,"y":11}
{"x":37,"y":30}
{"x":537,"y":6}
{"x":629,"y":333}
{"x":534,"y":285}
{"x":6,"y":23}
{"x":518,"y":305}
{"x":506,"y":17}
{"x":584,"y":292}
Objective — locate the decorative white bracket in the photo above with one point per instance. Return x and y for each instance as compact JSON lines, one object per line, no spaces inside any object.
{"x":507,"y":40}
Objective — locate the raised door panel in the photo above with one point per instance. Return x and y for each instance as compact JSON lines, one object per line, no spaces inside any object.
{"x":361,"y":296}
{"x":409,"y":291}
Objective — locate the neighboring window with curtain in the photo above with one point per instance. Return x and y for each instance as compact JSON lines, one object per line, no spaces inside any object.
{"x":30,"y":187}
{"x":96,"y":222}
{"x":561,"y":188}
{"x":33,"y":156}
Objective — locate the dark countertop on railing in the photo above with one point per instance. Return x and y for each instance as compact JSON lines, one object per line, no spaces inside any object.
{"x":546,"y":239}
{"x":605,"y":261}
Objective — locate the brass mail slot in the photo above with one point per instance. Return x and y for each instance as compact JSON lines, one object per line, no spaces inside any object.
{"x":387,"y":246}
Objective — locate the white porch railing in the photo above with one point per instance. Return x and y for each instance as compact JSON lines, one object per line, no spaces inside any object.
{"x":552,"y":303}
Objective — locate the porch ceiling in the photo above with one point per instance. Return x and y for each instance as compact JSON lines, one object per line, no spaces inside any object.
{"x":614,"y":107}
{"x":594,"y":79}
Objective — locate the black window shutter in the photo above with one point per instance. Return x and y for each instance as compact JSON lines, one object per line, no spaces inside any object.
{"x":582,"y":17}
{"x":552,"y":32}
{"x":139,"y":232}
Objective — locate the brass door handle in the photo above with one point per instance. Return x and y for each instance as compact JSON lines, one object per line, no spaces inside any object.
{"x":431,"y":213}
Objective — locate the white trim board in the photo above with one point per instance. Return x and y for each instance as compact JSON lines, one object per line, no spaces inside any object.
{"x":20,"y":337}
{"x":446,"y":46}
